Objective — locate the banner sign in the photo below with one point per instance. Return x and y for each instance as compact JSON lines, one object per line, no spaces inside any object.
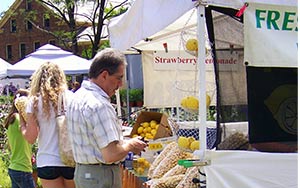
{"x":271,"y":35}
{"x":180,"y":60}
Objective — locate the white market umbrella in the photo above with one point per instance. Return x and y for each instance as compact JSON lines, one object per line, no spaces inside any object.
{"x":70,"y":63}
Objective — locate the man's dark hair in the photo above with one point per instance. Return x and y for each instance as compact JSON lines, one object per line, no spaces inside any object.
{"x":106,"y":60}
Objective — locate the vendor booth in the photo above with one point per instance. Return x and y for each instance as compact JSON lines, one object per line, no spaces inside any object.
{"x":259,"y":54}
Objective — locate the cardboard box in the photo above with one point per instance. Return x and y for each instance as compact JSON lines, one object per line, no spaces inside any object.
{"x":164,"y":129}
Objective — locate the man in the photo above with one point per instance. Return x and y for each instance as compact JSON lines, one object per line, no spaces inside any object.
{"x":96,"y":135}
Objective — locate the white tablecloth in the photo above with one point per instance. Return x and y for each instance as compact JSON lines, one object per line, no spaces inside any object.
{"x":249,"y":169}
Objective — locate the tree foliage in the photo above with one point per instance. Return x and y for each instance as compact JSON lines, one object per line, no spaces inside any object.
{"x":96,"y":16}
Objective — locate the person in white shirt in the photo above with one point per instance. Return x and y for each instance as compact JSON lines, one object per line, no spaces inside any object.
{"x":47,"y":83}
{"x":97,"y":140}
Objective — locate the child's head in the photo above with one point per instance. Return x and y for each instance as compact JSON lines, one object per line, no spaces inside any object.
{"x":11,"y":115}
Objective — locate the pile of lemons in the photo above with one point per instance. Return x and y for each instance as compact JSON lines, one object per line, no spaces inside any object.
{"x":147,"y":130}
{"x":155,"y":146}
{"x":188,"y":143}
{"x":140,"y":165}
{"x":192,"y":103}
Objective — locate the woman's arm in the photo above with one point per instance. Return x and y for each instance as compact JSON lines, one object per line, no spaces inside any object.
{"x":30,"y":130}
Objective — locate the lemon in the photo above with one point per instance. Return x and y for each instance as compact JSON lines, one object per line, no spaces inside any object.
{"x":135,"y":135}
{"x":149,"y":129}
{"x":183,"y":102}
{"x":192,"y":103}
{"x":208,"y":100}
{"x":140,"y":130}
{"x":183,"y":142}
{"x":159,"y":146}
{"x":191,"y":139}
{"x":145,"y":124}
{"x":195,"y":145}
{"x":192,"y":45}
{"x":146,"y":164}
{"x":140,"y":170}
{"x":148,"y":136}
{"x":151,"y":136}
{"x":153,"y":124}
{"x":153,"y":132}
{"x":145,"y":130}
{"x":141,"y":160}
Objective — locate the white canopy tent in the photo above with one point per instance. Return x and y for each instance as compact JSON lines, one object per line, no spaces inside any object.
{"x":70,"y":63}
{"x":148,"y":20}
{"x":3,"y":68}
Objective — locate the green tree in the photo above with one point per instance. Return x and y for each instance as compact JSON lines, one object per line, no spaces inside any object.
{"x":66,"y":10}
{"x":99,"y":20}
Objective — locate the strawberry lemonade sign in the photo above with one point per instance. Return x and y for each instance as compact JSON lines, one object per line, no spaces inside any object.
{"x":180,"y":60}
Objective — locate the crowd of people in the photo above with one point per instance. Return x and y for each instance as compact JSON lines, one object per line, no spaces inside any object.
{"x":97,"y":141}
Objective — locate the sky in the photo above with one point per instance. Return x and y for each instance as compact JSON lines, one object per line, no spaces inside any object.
{"x":5,"y":4}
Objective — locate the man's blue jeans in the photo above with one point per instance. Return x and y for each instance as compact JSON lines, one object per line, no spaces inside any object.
{"x":21,"y":179}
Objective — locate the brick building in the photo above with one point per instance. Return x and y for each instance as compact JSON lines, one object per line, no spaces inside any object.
{"x":19,"y":37}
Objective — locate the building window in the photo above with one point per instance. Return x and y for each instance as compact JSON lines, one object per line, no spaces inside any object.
{"x":46,"y":21}
{"x":22,"y":50}
{"x":28,"y":5}
{"x":52,"y":42}
{"x":36,"y":45}
{"x":29,"y":26}
{"x":13,"y":26}
{"x":8,"y":52}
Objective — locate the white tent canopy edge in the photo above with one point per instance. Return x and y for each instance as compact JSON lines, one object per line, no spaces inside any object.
{"x":141,"y":22}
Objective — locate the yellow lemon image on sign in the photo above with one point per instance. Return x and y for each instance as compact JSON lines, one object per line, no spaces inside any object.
{"x":283,"y":105}
{"x":192,"y":45}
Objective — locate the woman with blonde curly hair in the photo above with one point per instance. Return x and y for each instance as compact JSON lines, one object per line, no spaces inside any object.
{"x":47,"y":83}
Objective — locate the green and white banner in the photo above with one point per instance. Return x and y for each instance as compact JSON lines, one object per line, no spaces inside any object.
{"x":271,"y":35}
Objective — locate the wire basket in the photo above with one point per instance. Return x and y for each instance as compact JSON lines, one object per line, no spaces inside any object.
{"x":189,"y":41}
{"x":188,"y":95}
{"x":190,"y":130}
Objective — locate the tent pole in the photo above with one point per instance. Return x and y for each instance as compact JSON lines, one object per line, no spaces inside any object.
{"x":202,"y":79}
{"x":211,"y":37}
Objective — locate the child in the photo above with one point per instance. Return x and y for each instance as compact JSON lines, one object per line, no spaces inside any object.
{"x":20,"y":168}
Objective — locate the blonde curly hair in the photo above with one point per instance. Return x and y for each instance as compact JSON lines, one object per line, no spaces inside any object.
{"x":48,"y":81}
